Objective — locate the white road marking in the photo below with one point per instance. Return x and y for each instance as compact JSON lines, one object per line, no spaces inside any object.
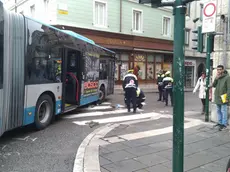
{"x":151,"y":133}
{"x":98,"y":113}
{"x":106,"y":103}
{"x":98,"y":108}
{"x":119,"y":119}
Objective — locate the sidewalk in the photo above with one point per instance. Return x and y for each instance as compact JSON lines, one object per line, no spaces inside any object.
{"x":147,"y":88}
{"x":206,"y":149}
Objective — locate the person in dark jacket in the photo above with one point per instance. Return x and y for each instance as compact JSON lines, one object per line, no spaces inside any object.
{"x":168,"y":86}
{"x":130,"y":84}
{"x":222,"y":96}
{"x":140,"y":98}
{"x":160,"y":77}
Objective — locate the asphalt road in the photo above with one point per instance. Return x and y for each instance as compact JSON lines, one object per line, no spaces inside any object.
{"x":54,"y":149}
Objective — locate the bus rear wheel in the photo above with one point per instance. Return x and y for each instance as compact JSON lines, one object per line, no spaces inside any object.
{"x":44,"y":112}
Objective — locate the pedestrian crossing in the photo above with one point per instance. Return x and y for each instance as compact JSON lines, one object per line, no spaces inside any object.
{"x":108,"y":113}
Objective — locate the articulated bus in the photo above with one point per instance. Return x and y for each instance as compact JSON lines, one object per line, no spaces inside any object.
{"x":46,"y":71}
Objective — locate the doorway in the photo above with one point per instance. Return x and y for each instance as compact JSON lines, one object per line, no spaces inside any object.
{"x":71,"y":78}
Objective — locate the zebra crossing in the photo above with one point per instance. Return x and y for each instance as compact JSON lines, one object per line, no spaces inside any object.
{"x":108,"y":113}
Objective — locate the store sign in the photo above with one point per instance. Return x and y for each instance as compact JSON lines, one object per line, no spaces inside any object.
{"x":189,"y":63}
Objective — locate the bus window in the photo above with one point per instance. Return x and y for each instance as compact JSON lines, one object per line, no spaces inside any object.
{"x":103,"y":70}
{"x":1,"y":52}
{"x":43,"y":63}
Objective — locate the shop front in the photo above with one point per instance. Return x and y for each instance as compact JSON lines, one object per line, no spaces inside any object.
{"x":190,"y":69}
{"x":149,"y":65}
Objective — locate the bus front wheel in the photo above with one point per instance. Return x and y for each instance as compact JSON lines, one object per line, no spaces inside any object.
{"x":44,"y":112}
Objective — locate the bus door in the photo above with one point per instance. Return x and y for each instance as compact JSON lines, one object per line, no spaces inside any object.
{"x":111,"y":72}
{"x":72,"y":79}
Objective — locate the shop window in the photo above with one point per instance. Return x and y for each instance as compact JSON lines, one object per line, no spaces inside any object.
{"x":141,"y":66}
{"x":116,"y":71}
{"x":124,"y":69}
{"x":100,"y":14}
{"x":124,"y":57}
{"x":43,"y":64}
{"x":150,"y":58}
{"x":159,"y":58}
{"x":157,"y":69}
{"x":150,"y":71}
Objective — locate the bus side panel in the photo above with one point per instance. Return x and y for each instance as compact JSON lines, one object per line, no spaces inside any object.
{"x":33,"y":92}
{"x":105,"y":84}
{"x":13,"y":83}
{"x":84,"y":100}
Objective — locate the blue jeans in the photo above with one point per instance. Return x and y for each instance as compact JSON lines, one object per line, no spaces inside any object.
{"x":222,"y":111}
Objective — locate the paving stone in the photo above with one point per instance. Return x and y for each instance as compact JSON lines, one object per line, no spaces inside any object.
{"x":161,"y":145}
{"x":104,"y":161}
{"x":199,"y":170}
{"x":118,"y":156}
{"x":165,"y":154}
{"x":221,"y":151}
{"x":222,"y":162}
{"x":125,"y":166}
{"x":103,"y":151}
{"x":104,"y":170}
{"x":115,"y":147}
{"x":199,"y":159}
{"x":159,"y":168}
{"x":193,"y":138}
{"x":214,"y":167}
{"x":151,"y":159}
{"x":141,"y":150}
{"x":142,"y":170}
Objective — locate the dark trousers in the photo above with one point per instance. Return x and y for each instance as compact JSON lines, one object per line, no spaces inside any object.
{"x":161,"y":92}
{"x":131,"y":96}
{"x":203,"y":105}
{"x":168,"y":92}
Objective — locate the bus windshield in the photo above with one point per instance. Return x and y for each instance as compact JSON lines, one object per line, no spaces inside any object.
{"x":1,"y":47}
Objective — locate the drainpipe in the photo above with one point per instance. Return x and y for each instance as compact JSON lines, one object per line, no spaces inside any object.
{"x":120,"y":15}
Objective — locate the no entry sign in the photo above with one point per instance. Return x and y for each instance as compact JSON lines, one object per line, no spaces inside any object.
{"x":209,"y":17}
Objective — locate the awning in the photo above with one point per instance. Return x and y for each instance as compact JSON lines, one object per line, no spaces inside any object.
{"x":153,"y":51}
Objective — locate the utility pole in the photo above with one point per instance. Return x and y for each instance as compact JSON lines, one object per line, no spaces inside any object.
{"x":179,"y":11}
{"x":208,"y":57}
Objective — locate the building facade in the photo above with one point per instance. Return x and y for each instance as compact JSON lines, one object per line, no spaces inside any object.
{"x":194,"y":61}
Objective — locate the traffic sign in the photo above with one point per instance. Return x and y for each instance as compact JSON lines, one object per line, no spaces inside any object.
{"x":209,"y":17}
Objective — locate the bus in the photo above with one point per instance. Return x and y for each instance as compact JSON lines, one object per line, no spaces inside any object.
{"x":46,"y":71}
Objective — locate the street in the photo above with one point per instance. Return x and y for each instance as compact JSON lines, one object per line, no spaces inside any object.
{"x":119,"y":141}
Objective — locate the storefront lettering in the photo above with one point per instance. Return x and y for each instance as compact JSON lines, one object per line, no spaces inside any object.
{"x":188,"y":63}
{"x":116,"y":41}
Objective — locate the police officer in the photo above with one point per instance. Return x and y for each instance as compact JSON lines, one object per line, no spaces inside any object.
{"x":160,"y":77}
{"x":140,"y":98}
{"x":168,"y":86}
{"x":130,"y":84}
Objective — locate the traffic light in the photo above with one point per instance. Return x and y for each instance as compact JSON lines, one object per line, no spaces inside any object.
{"x":199,"y":39}
{"x":154,"y":3}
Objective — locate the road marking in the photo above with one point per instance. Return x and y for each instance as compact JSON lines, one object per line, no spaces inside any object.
{"x":98,"y":108}
{"x":151,"y":133}
{"x":106,"y":103}
{"x":98,"y":113}
{"x":118,"y":119}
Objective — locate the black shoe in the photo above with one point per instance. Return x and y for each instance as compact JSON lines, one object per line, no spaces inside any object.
{"x":134,"y":111}
{"x":222,"y":127}
{"x":128,"y":110}
{"x":159,"y":100}
{"x":166,"y":104}
{"x":217,"y":125}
